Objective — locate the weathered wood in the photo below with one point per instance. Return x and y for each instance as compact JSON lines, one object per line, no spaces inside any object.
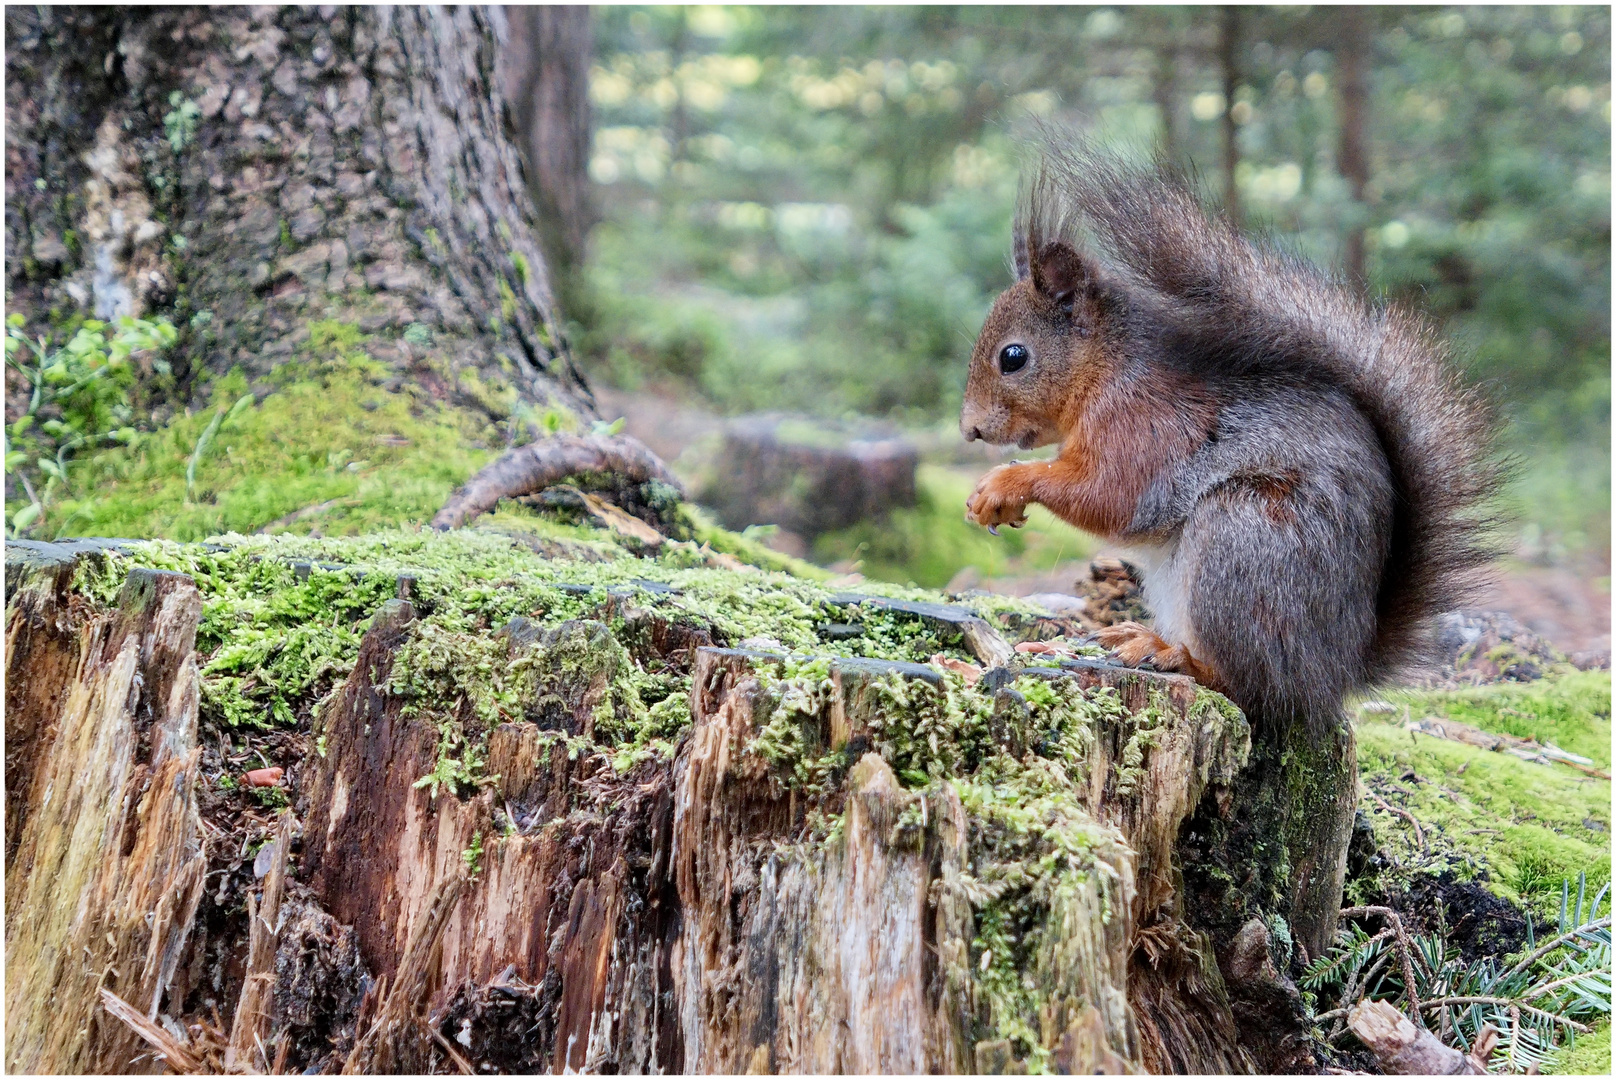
{"x":571,"y":903}
{"x":703,"y":911}
{"x":733,"y":823}
{"x":108,"y":870}
{"x":249,"y":1033}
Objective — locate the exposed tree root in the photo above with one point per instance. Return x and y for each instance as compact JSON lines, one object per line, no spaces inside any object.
{"x":534,"y":467}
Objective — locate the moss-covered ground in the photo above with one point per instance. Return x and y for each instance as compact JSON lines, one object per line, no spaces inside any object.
{"x":1520,"y":827}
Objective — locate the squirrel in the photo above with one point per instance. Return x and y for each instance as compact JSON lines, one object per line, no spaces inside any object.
{"x":1301,"y":474}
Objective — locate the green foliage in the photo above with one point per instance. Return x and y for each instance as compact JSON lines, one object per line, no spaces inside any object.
{"x":1564,"y":979}
{"x":179,"y":123}
{"x":809,"y":209}
{"x":473,"y":855}
{"x":79,"y":399}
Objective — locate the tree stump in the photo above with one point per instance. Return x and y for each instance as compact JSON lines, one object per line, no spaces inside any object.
{"x":839,"y":863}
{"x":807,"y":477}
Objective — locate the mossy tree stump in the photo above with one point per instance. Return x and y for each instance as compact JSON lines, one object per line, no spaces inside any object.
{"x":554,"y":814}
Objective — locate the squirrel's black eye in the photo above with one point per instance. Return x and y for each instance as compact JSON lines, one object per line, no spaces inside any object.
{"x":1013,"y":358}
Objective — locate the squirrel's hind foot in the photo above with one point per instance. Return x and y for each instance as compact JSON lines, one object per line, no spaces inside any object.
{"x":1135,"y":643}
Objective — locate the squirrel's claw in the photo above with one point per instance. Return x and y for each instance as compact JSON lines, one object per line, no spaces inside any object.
{"x":994,"y":529}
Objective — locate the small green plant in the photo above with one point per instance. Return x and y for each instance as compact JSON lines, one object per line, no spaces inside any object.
{"x":272,"y":798}
{"x":473,"y":855}
{"x":179,"y":123}
{"x":78,"y":399}
{"x":221,"y":416}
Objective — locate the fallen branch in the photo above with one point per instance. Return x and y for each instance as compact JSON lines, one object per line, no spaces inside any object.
{"x":1581,"y":1029}
{"x":534,"y":467}
{"x":1404,"y":1049}
{"x":307,"y":512}
{"x":1526,"y":749}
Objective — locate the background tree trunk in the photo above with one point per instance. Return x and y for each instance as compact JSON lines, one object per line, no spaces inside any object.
{"x":1352,"y":60}
{"x":249,"y":171}
{"x":1229,"y":18}
{"x":545,"y":64}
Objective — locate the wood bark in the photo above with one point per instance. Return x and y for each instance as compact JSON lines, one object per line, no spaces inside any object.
{"x":248,"y":171}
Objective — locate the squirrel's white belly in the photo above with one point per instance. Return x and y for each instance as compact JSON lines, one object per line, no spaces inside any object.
{"x":1167,"y":591}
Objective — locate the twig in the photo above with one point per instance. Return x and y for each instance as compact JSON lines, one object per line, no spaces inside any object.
{"x":1419,"y":833}
{"x":1404,"y":950}
{"x":1350,"y":990}
{"x":1581,"y":1029}
{"x":1598,"y":924}
{"x":1555,"y":985}
{"x":437,"y":1036}
{"x":306,"y":512}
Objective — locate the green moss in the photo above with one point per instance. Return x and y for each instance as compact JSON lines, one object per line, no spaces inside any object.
{"x":1589,"y":1057}
{"x":361,"y":458}
{"x":1524,"y":826}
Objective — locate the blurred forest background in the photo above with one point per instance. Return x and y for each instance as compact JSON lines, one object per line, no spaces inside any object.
{"x":809,"y":210}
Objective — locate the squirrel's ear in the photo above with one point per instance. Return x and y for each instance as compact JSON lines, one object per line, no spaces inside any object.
{"x":1059,"y":272}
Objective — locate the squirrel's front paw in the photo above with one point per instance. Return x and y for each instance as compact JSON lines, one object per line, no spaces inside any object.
{"x":996,"y":502}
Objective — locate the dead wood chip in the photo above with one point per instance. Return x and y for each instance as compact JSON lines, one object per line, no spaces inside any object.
{"x":265,"y":777}
{"x":176,"y":1054}
{"x":967,"y":671}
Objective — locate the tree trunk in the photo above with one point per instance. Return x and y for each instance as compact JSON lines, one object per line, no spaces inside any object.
{"x":1229,"y":60}
{"x":249,"y":171}
{"x":546,"y":80}
{"x":1140,"y":905}
{"x":1352,"y":59}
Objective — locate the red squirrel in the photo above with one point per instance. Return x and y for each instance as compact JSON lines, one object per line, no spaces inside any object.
{"x":1300,"y":474}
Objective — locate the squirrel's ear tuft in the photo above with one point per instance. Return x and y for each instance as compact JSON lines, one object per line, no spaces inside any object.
{"x":1059,"y":272}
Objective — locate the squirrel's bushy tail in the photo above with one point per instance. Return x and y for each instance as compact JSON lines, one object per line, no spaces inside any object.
{"x":1270,"y":311}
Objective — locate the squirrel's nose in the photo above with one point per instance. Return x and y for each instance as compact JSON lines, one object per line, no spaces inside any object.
{"x":973,"y":434}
